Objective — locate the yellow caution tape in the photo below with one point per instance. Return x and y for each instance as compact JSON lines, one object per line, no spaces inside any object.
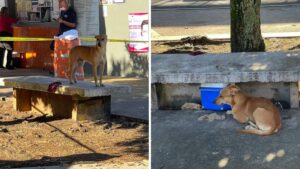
{"x":26,"y":39}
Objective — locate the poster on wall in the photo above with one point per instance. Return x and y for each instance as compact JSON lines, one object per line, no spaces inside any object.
{"x":105,"y":2}
{"x":119,"y":1}
{"x":138,"y":30}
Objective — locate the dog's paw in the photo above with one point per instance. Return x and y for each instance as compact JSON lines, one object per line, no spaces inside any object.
{"x":96,"y":85}
{"x":248,"y":127}
{"x":71,"y":83}
{"x":102,"y":85}
{"x":241,"y":130}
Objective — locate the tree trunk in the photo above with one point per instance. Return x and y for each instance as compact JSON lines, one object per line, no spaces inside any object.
{"x":245,"y":26}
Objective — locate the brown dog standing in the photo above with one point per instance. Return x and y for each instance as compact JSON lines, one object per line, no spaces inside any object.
{"x":260,"y":111}
{"x":95,"y":55}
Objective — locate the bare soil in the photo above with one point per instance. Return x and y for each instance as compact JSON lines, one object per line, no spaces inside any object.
{"x":201,"y":45}
{"x":31,"y":139}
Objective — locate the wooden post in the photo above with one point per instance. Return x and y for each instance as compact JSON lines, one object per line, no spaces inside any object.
{"x":22,"y":99}
{"x":91,"y":109}
{"x":294,"y":95}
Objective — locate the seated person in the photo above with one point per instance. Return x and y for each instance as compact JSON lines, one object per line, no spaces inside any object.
{"x":6,"y":31}
{"x":67,"y":19}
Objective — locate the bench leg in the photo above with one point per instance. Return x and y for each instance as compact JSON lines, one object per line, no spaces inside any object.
{"x":294,"y":95}
{"x":154,"y":104}
{"x":92,"y":109}
{"x":22,"y":99}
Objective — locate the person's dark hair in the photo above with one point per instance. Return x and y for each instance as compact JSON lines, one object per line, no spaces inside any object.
{"x":4,"y":11}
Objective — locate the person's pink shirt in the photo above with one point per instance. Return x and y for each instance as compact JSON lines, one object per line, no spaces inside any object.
{"x":6,"y":23}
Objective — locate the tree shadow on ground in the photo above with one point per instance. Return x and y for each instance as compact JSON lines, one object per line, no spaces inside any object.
{"x":50,"y":161}
{"x":138,"y":145}
{"x":30,"y":119}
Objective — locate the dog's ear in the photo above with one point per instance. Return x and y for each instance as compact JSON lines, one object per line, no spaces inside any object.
{"x":97,"y":37}
{"x":233,"y":89}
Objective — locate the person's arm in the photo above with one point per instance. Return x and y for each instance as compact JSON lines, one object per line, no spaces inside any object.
{"x":69,"y":24}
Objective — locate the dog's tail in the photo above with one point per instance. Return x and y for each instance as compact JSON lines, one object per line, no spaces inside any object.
{"x":258,"y":132}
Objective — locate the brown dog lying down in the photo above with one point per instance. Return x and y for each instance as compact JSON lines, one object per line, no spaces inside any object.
{"x":95,"y":55}
{"x":261,"y":113}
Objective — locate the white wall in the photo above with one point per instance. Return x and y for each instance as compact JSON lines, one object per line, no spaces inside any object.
{"x":2,"y":3}
{"x":119,"y":61}
{"x":88,"y":17}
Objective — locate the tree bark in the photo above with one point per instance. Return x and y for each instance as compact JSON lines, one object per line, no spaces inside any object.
{"x":245,"y":26}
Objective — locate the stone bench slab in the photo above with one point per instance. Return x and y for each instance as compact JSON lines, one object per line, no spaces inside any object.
{"x":82,"y":89}
{"x":81,"y":101}
{"x":226,"y":68}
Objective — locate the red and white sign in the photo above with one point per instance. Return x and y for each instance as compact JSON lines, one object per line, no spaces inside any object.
{"x":138,"y":30}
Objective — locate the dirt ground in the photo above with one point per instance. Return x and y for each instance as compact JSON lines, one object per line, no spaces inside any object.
{"x":202,"y":45}
{"x":30,"y":139}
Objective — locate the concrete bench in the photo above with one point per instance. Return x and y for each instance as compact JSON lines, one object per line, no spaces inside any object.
{"x":82,"y":101}
{"x":176,"y":77}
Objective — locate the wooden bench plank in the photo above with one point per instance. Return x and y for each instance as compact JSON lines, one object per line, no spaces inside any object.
{"x":82,"y":89}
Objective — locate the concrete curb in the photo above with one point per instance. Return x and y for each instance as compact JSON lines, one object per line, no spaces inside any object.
{"x":213,"y":6}
{"x":227,"y":36}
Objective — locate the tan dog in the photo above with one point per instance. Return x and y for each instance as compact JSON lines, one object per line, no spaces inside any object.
{"x":260,"y":111}
{"x":95,"y":55}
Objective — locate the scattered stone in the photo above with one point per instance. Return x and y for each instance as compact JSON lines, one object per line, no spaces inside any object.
{"x":19,"y":137}
{"x":84,"y":129}
{"x":74,"y":130}
{"x":3,"y":99}
{"x":38,"y":136}
{"x":211,"y":117}
{"x":191,"y":106}
{"x":34,"y":124}
{"x":77,"y":127}
{"x":25,"y":122}
{"x":4,"y":130}
{"x":107,"y":126}
{"x":127,"y":124}
{"x":229,"y":112}
{"x":29,"y":117}
{"x":52,"y":131}
{"x":215,"y":153}
{"x":99,"y":122}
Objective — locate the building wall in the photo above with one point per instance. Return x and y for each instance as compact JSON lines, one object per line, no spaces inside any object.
{"x":2,"y":3}
{"x":119,"y":61}
{"x":88,"y":17}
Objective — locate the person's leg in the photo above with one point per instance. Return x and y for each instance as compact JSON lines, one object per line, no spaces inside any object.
{"x":1,"y":56}
{"x":2,"y":50}
{"x":9,"y":64}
